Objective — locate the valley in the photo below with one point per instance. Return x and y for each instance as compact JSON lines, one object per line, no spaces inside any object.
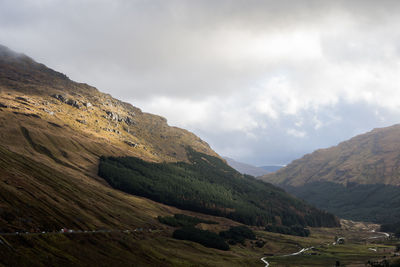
{"x":143,"y":247}
{"x":72,"y":157}
{"x":358,"y":179}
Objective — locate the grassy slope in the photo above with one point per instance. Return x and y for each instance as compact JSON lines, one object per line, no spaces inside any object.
{"x":158,"y":249}
{"x":358,"y":179}
{"x":48,"y":178}
{"x":369,"y":158}
{"x":74,"y":200}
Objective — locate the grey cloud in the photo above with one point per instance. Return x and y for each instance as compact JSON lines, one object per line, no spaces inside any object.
{"x":274,"y":146}
{"x":203,"y":51}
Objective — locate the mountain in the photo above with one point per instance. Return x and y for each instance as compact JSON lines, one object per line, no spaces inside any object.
{"x":246,"y":168}
{"x":56,"y":137}
{"x":357,"y":179}
{"x":271,"y":168}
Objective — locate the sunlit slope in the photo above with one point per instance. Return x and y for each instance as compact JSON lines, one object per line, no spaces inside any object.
{"x":369,"y":158}
{"x":358,"y":179}
{"x":53,"y":132}
{"x":41,"y":95}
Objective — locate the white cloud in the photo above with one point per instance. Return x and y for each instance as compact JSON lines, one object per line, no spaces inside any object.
{"x":245,"y":75}
{"x":296,"y":133}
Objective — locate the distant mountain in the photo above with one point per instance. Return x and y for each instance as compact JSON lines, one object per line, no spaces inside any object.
{"x":245,"y":168}
{"x":357,"y":179}
{"x":271,"y":168}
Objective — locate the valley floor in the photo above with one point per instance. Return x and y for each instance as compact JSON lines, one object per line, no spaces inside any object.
{"x":155,"y":247}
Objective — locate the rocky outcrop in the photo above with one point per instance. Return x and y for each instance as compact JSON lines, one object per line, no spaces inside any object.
{"x":73,"y":103}
{"x":68,"y":101}
{"x":129,"y":143}
{"x":59,"y":97}
{"x":106,"y":117}
{"x":117,"y":117}
{"x":129,"y":121}
{"x":22,"y":98}
{"x":113,"y":116}
{"x":81,"y":121}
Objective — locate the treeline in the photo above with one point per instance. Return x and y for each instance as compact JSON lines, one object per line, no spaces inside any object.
{"x":210,"y":186}
{"x":377,"y":203}
{"x":182,"y":220}
{"x":392,"y":228}
{"x":288,"y":230}
{"x":238,"y":234}
{"x":203,"y":237}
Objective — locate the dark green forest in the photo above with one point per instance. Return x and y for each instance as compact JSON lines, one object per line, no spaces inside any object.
{"x":182,"y":220}
{"x":204,"y":237}
{"x":210,"y":186}
{"x":238,"y":234}
{"x":288,"y":230}
{"x":235,"y":234}
{"x":377,"y":203}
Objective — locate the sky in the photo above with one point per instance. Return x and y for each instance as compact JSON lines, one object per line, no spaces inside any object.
{"x":263,"y":82}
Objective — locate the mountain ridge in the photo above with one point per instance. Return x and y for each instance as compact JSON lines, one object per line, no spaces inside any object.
{"x":365,"y":159}
{"x":54,"y":132}
{"x":245,"y":168}
{"x":53,"y":96}
{"x":358,"y":179}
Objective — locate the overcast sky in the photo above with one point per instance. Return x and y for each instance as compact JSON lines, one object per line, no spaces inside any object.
{"x":263,"y":82}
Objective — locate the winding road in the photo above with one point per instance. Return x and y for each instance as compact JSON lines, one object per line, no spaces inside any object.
{"x":263,"y":259}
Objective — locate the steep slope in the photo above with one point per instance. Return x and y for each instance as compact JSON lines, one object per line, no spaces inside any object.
{"x":208,"y":185}
{"x":29,"y":89}
{"x":357,"y":179}
{"x":53,"y":132}
{"x":245,"y":168}
{"x":271,"y":168}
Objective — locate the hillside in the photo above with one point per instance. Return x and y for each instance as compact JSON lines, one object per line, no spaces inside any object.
{"x":357,"y":179}
{"x":54,"y":132}
{"x":32,"y":92}
{"x":209,"y":186}
{"x":245,"y":168}
{"x":271,"y":168}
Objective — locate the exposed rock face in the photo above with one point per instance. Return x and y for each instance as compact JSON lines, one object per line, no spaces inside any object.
{"x":49,"y":164}
{"x":113,"y":116}
{"x":81,"y":121}
{"x":59,"y":97}
{"x":129,"y":121}
{"x":129,"y":143}
{"x":87,"y":104}
{"x":73,"y":103}
{"x":68,"y":101}
{"x":49,"y":92}
{"x":22,"y":98}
